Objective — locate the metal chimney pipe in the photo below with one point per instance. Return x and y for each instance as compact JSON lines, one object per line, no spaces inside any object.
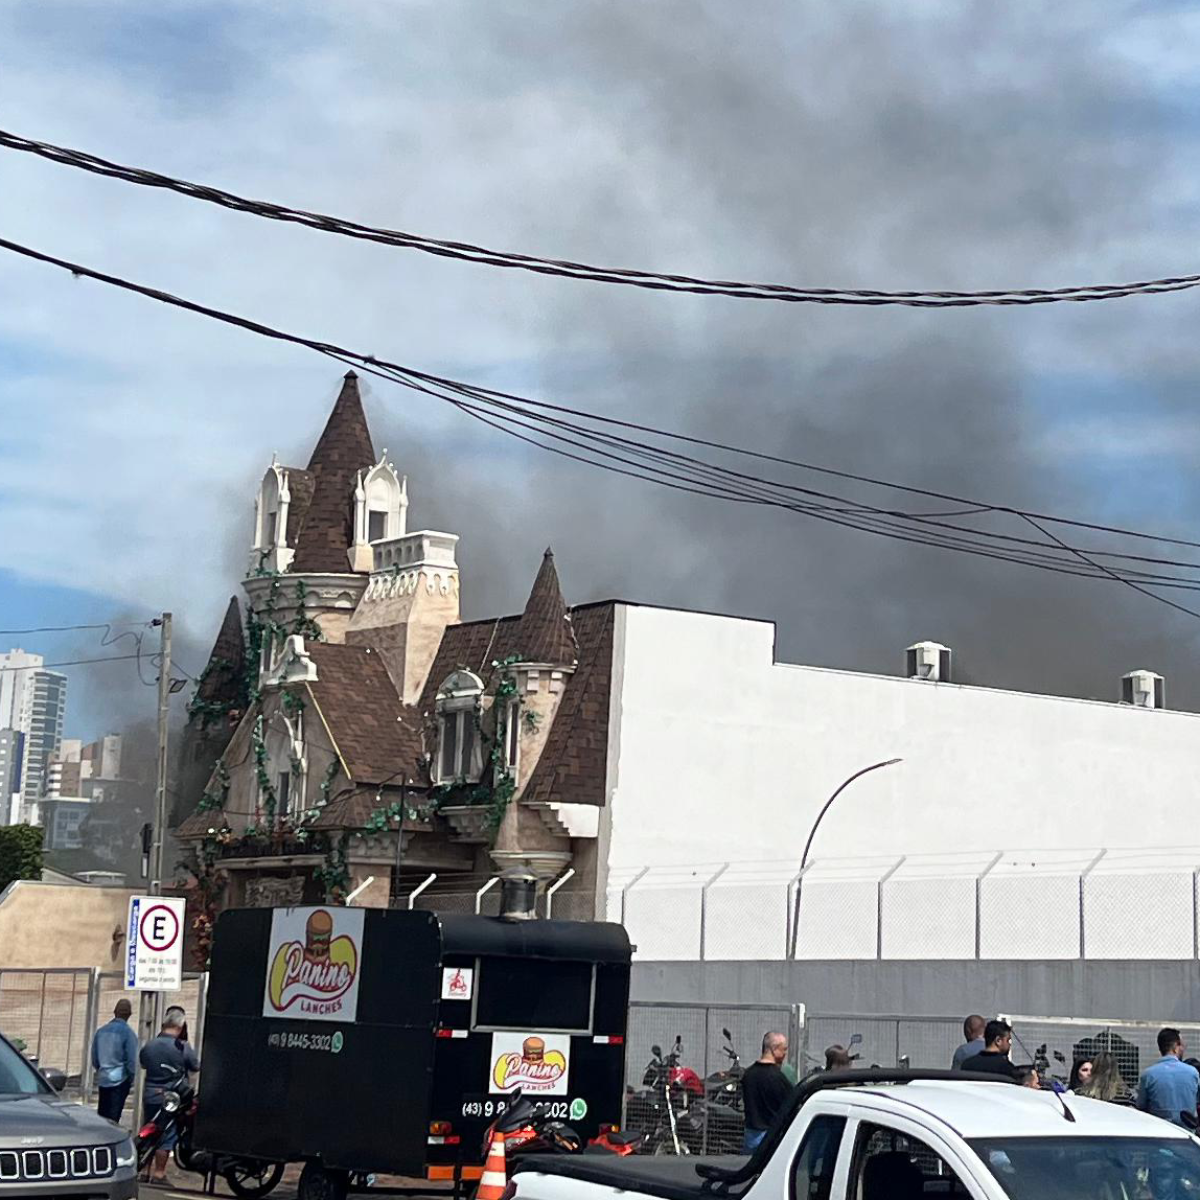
{"x":518,"y":895}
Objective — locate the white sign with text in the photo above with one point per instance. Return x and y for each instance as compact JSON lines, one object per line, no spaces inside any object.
{"x":154,"y":944}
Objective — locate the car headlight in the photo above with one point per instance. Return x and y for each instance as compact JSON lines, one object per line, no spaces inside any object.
{"x":125,"y":1154}
{"x":170,"y":1102}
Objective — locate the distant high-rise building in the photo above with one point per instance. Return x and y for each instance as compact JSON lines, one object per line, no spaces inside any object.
{"x":48,"y":708}
{"x":16,"y":688}
{"x":12,"y":760}
{"x":18,"y":671}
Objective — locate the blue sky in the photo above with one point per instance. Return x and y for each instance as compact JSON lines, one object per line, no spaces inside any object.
{"x":915,"y":144}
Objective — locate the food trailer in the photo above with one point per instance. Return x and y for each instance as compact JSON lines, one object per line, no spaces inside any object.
{"x":375,"y":1041}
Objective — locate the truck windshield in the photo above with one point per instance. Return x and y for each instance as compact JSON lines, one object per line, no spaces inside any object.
{"x":1086,"y":1168}
{"x":17,"y":1077}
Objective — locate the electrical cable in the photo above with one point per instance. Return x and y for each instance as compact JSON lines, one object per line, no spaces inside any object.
{"x":108,"y":625}
{"x":74,"y":662}
{"x":567,"y":268}
{"x":690,"y":475}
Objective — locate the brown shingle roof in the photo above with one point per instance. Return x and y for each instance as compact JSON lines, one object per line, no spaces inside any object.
{"x":545,"y":635}
{"x":474,"y":646}
{"x":300,"y":488}
{"x":573,"y":766}
{"x":376,"y":735}
{"x":221,"y":682}
{"x":344,"y":448}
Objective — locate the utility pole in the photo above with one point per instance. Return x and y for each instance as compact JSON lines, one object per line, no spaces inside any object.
{"x":160,"y":786}
{"x":150,"y":1008}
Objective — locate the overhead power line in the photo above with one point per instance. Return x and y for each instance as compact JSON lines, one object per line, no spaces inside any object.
{"x":567,"y":268}
{"x":592,"y":439}
{"x":74,"y":662}
{"x":108,"y":625}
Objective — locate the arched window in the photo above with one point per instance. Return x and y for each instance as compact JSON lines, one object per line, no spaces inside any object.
{"x":385,"y":501}
{"x":460,"y":756}
{"x":268,"y":509}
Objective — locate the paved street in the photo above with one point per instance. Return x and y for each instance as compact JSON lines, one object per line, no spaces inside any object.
{"x":190,"y":1187}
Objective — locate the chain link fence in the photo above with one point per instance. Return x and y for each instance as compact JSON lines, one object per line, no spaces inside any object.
{"x":1055,"y":1043}
{"x":1009,"y":905}
{"x":53,"y":1013}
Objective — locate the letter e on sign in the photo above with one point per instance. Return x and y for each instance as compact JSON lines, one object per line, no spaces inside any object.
{"x":154,"y":950}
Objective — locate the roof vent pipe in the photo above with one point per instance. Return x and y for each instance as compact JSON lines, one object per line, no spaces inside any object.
{"x":1143,"y":689}
{"x":518,"y":895}
{"x":928,"y":660}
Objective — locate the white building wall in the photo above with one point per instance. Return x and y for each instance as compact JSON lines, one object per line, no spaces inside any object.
{"x":720,"y":754}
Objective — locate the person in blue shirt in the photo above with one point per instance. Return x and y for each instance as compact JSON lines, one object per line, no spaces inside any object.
{"x":1170,"y":1086}
{"x":115,"y":1060}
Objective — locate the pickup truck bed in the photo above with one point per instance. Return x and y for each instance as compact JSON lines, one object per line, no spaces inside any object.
{"x":667,"y":1177}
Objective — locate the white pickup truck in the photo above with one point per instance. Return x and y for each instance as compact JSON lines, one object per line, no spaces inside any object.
{"x":890,"y":1135}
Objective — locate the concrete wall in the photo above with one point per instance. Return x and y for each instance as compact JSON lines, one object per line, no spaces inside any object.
{"x":60,"y":925}
{"x":725,"y":754}
{"x":1135,"y":990}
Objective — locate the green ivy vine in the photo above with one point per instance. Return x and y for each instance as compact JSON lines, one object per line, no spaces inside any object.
{"x":334,"y":872}
{"x":266,"y":791}
{"x":216,"y":800}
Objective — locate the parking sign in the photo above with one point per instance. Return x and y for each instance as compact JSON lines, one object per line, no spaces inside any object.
{"x":154,"y":944}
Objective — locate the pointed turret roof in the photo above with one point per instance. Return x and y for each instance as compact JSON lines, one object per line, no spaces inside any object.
{"x":343,"y":449}
{"x":223,"y":676}
{"x":545,"y":634}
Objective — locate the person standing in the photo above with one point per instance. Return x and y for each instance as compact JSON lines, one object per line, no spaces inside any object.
{"x":765,"y":1090}
{"x":838,"y":1058}
{"x":973,"y":1028}
{"x":168,"y":1061}
{"x":115,"y":1060}
{"x":993,"y":1059}
{"x":1169,"y":1087}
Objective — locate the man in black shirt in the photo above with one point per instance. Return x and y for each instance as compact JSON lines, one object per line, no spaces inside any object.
{"x":993,"y":1058}
{"x":765,"y":1090}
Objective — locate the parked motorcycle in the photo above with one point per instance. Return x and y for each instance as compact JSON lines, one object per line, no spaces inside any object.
{"x":247,"y":1177}
{"x":675,"y":1114}
{"x":725,"y":1087}
{"x":529,"y":1129}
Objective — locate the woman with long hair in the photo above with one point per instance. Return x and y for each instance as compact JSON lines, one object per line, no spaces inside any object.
{"x":1081,"y":1074}
{"x":1106,"y":1082}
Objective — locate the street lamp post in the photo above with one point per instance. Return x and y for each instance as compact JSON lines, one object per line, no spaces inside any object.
{"x":812,"y":833}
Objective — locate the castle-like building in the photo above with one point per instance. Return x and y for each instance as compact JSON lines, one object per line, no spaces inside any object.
{"x":351,"y":735}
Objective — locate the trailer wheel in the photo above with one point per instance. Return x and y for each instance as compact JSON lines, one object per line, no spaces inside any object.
{"x":319,"y":1183}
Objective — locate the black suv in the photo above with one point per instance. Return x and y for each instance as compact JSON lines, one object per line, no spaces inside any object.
{"x":52,"y":1147}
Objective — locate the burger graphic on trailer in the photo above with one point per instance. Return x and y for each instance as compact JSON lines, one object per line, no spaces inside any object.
{"x":533,"y":1063}
{"x":314,"y":964}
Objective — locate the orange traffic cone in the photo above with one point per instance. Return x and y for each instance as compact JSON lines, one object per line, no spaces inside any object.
{"x":495,"y":1175}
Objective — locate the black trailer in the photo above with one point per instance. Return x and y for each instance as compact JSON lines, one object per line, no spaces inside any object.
{"x":375,"y":1041}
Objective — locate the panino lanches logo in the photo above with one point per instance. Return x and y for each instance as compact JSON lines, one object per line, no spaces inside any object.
{"x":314,"y":974}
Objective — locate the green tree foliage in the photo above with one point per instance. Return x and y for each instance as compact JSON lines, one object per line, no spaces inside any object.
{"x":20,"y":853}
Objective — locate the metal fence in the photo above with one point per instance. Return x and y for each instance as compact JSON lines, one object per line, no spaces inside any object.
{"x":713,"y":1123}
{"x":566,"y":904}
{"x":889,"y":1041}
{"x":54,"y":1012}
{"x":1008,"y":904}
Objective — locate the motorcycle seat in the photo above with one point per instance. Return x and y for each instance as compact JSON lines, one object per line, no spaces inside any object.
{"x":624,"y":1139}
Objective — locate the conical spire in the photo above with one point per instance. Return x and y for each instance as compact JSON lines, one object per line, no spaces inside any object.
{"x":222,"y":680}
{"x":343,"y":449}
{"x":545,"y":634}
